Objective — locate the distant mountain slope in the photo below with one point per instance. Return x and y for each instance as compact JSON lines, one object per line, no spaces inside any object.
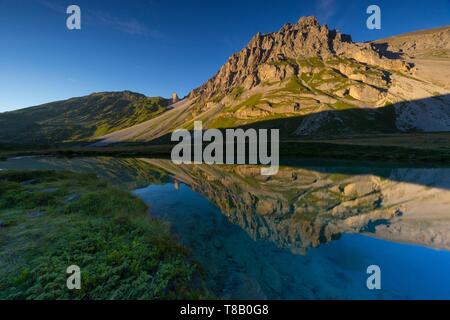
{"x":176,"y":117}
{"x":428,"y":43}
{"x":428,"y":50}
{"x":307,"y":79}
{"x":76,"y":119}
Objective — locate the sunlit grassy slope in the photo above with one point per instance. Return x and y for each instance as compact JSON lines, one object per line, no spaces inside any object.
{"x":78,"y":119}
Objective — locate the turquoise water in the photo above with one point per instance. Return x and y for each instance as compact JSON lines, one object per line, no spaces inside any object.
{"x":241,"y":268}
{"x":299,"y":235}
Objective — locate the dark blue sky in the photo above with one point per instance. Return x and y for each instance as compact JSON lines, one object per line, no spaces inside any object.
{"x":159,"y":46}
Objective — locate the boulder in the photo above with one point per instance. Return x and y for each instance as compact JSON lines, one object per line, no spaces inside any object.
{"x":366,"y":93}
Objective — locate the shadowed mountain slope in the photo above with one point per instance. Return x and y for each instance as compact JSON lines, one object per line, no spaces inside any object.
{"x":328,"y":124}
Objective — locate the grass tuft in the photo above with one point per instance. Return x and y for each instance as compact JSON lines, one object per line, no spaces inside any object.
{"x":122,"y":252}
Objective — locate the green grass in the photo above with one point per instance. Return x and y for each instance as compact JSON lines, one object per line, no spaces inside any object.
{"x":236,"y":92}
{"x":222,"y":122}
{"x":83,"y":118}
{"x":252,"y":101}
{"x":312,"y":62}
{"x":337,"y":177}
{"x":295,"y":86}
{"x":399,"y":147}
{"x":306,"y":77}
{"x":249,"y":102}
{"x":122,"y":252}
{"x":341,"y":105}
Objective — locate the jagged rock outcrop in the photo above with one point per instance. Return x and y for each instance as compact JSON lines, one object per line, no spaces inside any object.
{"x":271,"y":72}
{"x":175,"y":97}
{"x":320,"y":83}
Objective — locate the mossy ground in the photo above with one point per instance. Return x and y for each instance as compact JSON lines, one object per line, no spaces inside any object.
{"x":51,"y":220}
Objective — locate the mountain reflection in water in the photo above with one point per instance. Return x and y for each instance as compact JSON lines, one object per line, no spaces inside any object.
{"x":301,"y":208}
{"x":219,"y":212}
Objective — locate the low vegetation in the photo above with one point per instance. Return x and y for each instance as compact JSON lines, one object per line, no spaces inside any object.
{"x":407,"y":147}
{"x":51,"y":220}
{"x":78,"y":119}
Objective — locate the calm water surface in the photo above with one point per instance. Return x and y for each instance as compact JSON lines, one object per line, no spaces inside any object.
{"x":308,"y":233}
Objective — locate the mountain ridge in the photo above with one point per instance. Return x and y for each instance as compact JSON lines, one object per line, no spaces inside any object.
{"x":309,"y":72}
{"x":307,"y":39}
{"x":78,"y":118}
{"x":305,"y":78}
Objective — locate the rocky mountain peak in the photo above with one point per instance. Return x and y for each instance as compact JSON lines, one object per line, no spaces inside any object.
{"x":310,"y":80}
{"x":275,"y":56}
{"x":308,"y":21}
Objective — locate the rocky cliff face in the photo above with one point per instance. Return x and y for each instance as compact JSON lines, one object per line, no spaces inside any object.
{"x":309,"y":80}
{"x":273,"y":57}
